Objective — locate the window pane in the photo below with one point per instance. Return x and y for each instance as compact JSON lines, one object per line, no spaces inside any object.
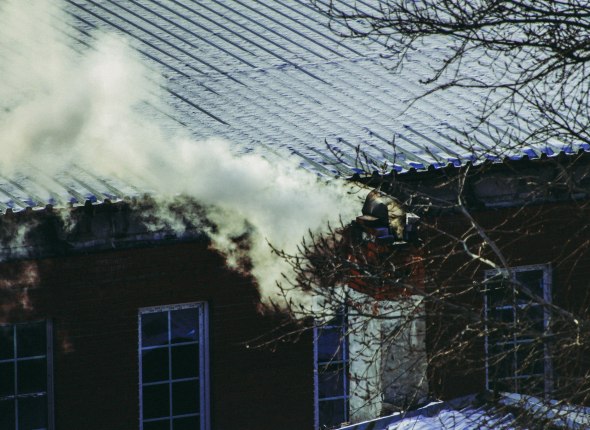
{"x":187,"y":423}
{"x":32,"y":376}
{"x":499,"y":293}
{"x":185,"y":325}
{"x":501,"y":361}
{"x":331,"y":382}
{"x":154,"y":329}
{"x":7,"y":420}
{"x":339,"y":319}
{"x":530,"y":359}
{"x":185,"y":397}
{"x":31,"y":339}
{"x":6,"y":379}
{"x":531,"y":321}
{"x":533,"y":280}
{"x":331,"y":413}
{"x":154,"y":365}
{"x":157,"y":425}
{"x":185,"y":361}
{"x":501,"y":325}
{"x":156,"y":401}
{"x":32,"y":413}
{"x":330,"y":345}
{"x":6,"y":342}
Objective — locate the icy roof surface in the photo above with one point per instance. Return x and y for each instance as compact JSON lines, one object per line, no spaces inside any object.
{"x":471,"y":412}
{"x":272,"y":78}
{"x":459,"y":414}
{"x":467,"y":419}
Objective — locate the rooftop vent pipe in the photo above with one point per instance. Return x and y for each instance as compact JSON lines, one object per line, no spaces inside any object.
{"x":387,"y":210}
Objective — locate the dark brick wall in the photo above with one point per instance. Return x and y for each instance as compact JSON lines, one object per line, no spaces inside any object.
{"x":93,"y":300}
{"x":557,"y":234}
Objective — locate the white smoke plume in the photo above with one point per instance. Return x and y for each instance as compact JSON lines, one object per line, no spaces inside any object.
{"x":61,"y":106}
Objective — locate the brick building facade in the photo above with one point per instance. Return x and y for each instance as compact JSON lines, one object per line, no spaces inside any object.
{"x":81,"y":347}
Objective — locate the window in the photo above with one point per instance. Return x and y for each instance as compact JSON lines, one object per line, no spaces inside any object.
{"x":331,"y":373}
{"x":517,"y":324}
{"x":25,"y":376}
{"x":173,"y":363}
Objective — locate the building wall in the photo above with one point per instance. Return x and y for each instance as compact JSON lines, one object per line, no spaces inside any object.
{"x":93,"y":301}
{"x":555,"y":234}
{"x":388,"y":362}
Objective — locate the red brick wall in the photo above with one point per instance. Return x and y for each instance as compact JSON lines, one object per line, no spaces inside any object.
{"x":93,"y":301}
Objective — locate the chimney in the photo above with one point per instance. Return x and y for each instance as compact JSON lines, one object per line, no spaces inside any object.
{"x":389,"y":363}
{"x":385,"y":219}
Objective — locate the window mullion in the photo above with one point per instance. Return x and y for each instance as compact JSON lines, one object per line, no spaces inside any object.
{"x":170,"y":369}
{"x":15,"y":376}
{"x":515,"y":347}
{"x":203,"y":368}
{"x":49,"y":366}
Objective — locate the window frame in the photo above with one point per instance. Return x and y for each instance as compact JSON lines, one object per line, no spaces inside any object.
{"x":49,"y":392}
{"x":203,"y":342}
{"x":547,"y":278}
{"x":345,"y":361}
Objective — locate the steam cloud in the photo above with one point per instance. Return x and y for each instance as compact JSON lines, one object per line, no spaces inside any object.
{"x":62,"y":105}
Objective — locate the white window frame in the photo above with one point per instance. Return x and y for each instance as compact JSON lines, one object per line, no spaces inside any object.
{"x":345,"y":397}
{"x":49,"y":364}
{"x":547,"y":298}
{"x":203,"y":340}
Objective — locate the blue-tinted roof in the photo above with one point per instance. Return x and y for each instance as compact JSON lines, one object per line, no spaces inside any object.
{"x":74,"y":187}
{"x":472,"y":412}
{"x":270,"y":73}
{"x":272,"y":78}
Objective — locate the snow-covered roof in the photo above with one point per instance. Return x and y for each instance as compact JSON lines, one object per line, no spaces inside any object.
{"x":271,"y":77}
{"x":510,"y":411}
{"x":459,"y":414}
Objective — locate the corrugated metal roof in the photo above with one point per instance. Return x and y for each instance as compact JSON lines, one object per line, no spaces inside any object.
{"x":269,"y":76}
{"x":73,"y":187}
